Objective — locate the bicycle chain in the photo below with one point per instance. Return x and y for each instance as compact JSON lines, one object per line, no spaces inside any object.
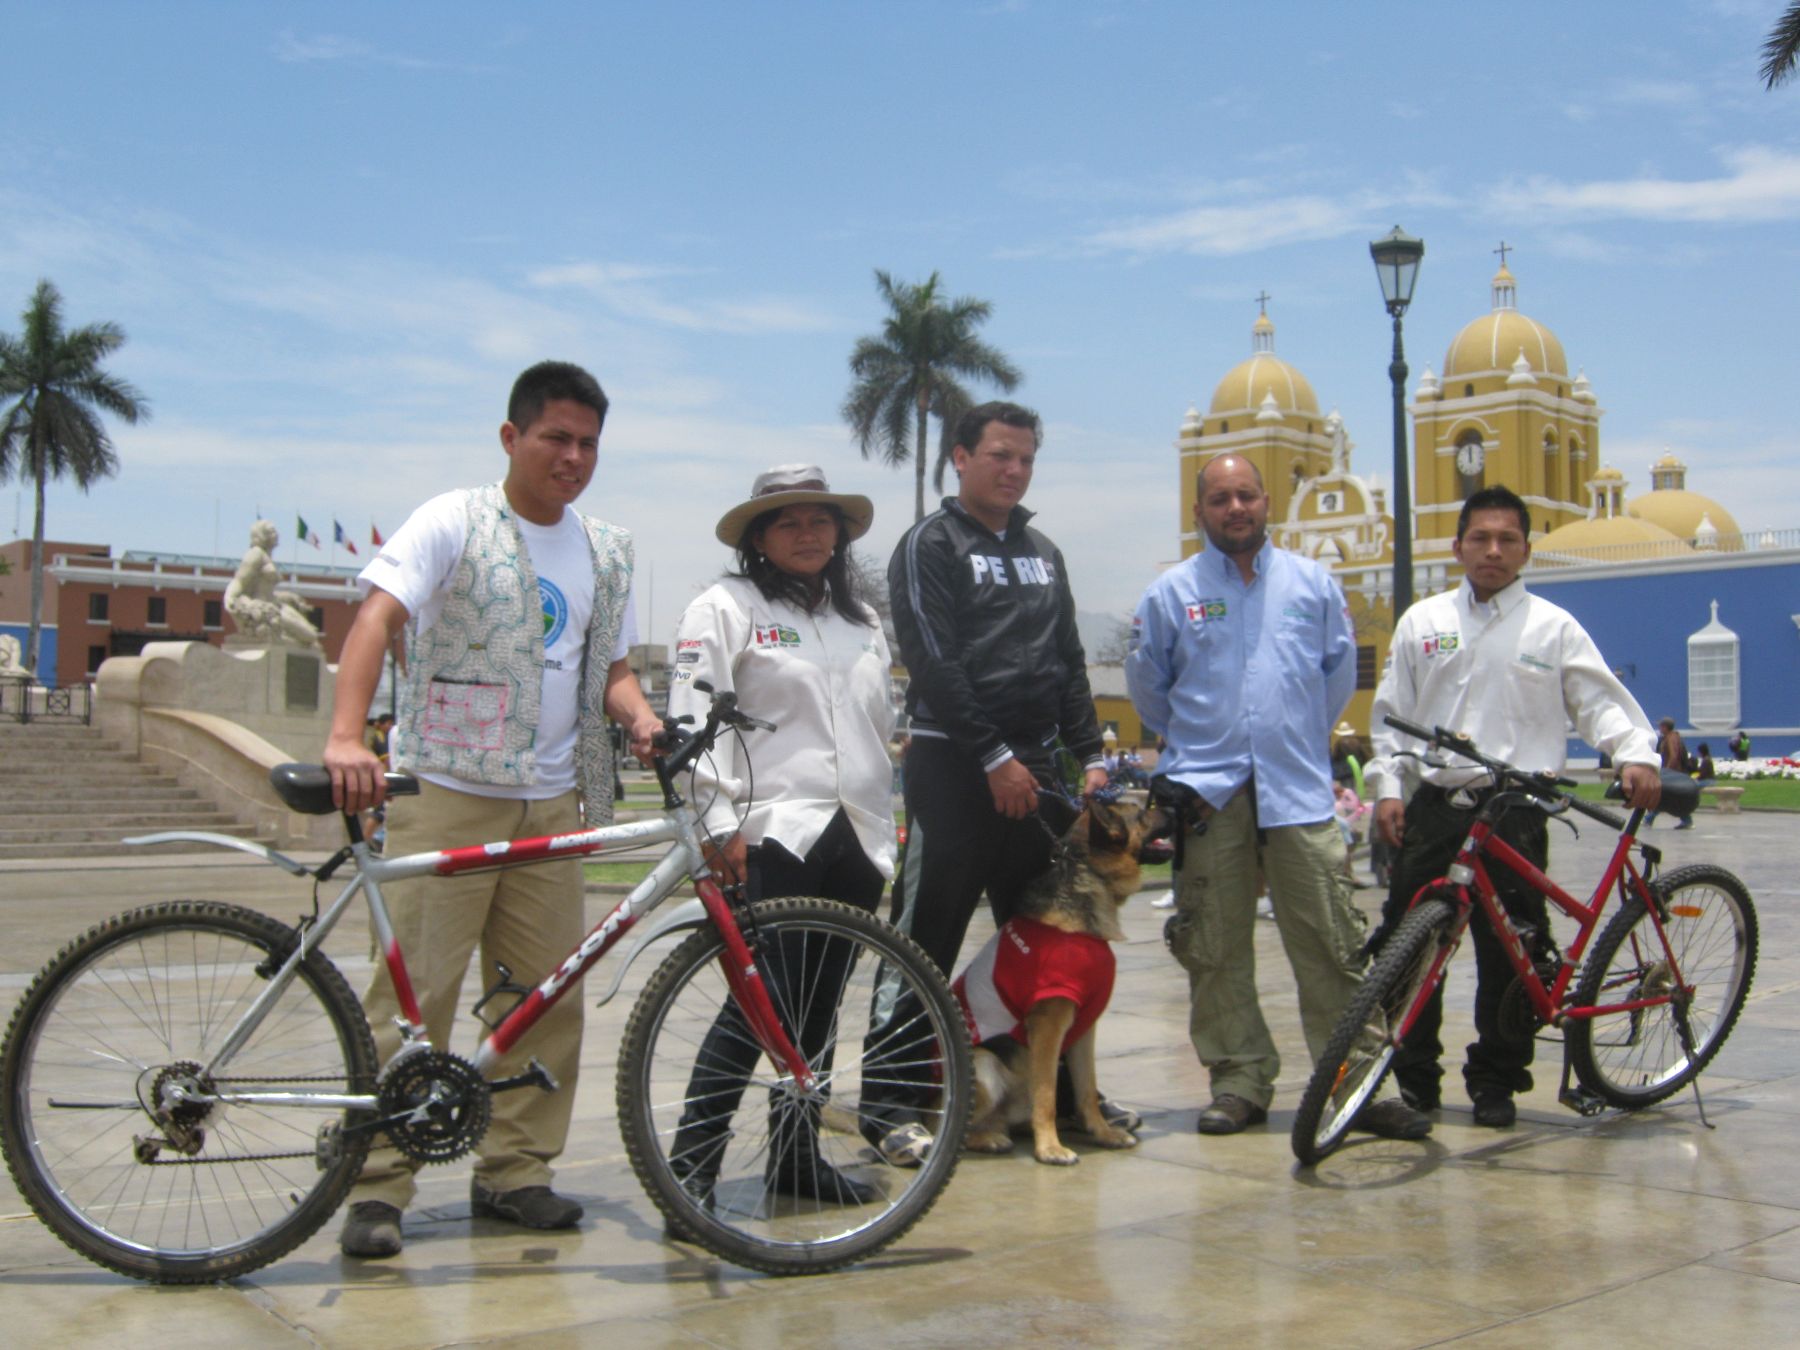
{"x":250,"y":1157}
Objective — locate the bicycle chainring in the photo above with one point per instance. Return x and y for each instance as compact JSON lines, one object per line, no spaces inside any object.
{"x":434,"y":1105}
{"x":1518,"y":1020}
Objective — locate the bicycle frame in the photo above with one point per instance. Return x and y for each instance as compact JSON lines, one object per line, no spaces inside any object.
{"x":1474,"y":887}
{"x":678,"y":826}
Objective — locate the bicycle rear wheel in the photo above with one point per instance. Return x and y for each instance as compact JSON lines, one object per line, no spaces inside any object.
{"x":111,"y":1034}
{"x":733,"y":1154}
{"x":1633,"y":1059}
{"x":1368,"y":1033}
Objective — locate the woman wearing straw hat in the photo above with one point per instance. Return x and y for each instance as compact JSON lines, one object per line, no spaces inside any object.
{"x":787,"y":632}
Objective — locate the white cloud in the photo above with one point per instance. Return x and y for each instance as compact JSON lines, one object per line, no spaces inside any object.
{"x":316,"y":48}
{"x":1760,"y":184}
{"x":1245,"y":228}
{"x":622,"y":288}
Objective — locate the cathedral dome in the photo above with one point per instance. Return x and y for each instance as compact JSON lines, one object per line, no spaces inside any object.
{"x":1608,"y":538}
{"x":1680,"y":512}
{"x":1264,"y":375}
{"x":1493,"y":342}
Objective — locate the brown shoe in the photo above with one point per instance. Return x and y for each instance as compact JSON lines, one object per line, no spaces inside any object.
{"x":1229,"y":1114}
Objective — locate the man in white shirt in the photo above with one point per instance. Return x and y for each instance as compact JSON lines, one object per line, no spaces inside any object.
{"x":518,"y":618}
{"x":1510,"y":670}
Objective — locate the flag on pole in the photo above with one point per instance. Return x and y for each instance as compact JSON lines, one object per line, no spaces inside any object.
{"x":341,"y":537}
{"x":306,"y":535}
{"x":374,"y":535}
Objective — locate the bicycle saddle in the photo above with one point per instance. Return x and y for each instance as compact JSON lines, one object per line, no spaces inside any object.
{"x":1680,"y":794}
{"x":307,"y":787}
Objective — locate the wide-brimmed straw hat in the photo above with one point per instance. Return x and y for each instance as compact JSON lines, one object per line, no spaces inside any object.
{"x":1343,"y":729}
{"x":793,"y":485}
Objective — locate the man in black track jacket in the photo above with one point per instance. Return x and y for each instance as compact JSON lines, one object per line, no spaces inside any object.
{"x":986,"y":623}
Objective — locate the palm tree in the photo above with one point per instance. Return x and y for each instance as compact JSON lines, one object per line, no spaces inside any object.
{"x":914,"y":371}
{"x":1781,"y":50}
{"x":51,"y":387}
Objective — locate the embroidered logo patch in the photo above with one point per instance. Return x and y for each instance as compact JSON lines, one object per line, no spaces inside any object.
{"x":1206,"y":609}
{"x":775,"y":635}
{"x":1442,"y":643}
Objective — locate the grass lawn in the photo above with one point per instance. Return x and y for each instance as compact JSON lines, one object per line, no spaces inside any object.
{"x":628,"y":872}
{"x":1768,"y":794}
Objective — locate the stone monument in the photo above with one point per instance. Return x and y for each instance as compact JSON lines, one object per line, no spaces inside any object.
{"x":262,"y":610}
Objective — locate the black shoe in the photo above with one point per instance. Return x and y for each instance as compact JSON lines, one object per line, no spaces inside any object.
{"x":804,"y":1175}
{"x":1495,"y":1110}
{"x":1420,"y":1099}
{"x":1229,"y":1114}
{"x":1392,"y":1118}
{"x":372,"y":1231}
{"x":795,"y":1167}
{"x":528,"y":1206}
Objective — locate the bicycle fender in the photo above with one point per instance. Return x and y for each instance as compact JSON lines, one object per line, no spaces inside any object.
{"x":267,"y":854}
{"x":687,"y":915}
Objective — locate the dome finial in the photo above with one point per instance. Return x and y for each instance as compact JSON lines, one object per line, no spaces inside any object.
{"x":1506,"y":290}
{"x":1262,"y":332}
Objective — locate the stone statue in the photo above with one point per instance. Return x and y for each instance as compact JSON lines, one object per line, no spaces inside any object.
{"x":261,"y":609}
{"x":12,"y":665}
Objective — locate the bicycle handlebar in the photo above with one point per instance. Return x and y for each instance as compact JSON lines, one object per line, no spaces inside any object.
{"x":1543,"y":785}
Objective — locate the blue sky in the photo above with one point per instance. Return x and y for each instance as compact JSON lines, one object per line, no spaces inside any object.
{"x":335,"y":232}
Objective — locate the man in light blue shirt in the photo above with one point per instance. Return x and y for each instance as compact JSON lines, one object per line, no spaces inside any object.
{"x":1242,"y":658}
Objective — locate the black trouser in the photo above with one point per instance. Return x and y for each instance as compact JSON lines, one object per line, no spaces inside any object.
{"x":1435,"y":830}
{"x":957,"y":847}
{"x":805,"y":978}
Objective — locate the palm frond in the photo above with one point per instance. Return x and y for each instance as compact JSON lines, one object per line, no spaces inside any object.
{"x":1781,"y":50}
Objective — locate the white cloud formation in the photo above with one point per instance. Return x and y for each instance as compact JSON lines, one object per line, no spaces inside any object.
{"x":1241,"y":228}
{"x":623,"y":288}
{"x":1759,"y":184}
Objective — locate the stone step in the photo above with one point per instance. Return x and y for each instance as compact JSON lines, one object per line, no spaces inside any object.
{"x":100,"y":795}
{"x":70,"y":752}
{"x":128,"y":821}
{"x":75,"y":841}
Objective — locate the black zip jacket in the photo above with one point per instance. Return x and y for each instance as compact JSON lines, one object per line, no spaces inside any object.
{"x":987,"y":634}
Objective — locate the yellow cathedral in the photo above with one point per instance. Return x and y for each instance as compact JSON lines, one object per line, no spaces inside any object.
{"x":1504,"y":411}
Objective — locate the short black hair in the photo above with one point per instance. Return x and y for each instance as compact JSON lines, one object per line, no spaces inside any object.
{"x":1495,"y":499}
{"x":972,"y":423}
{"x":549,"y":380}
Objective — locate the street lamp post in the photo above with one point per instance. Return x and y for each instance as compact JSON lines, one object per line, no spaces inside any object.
{"x":1397,"y":265}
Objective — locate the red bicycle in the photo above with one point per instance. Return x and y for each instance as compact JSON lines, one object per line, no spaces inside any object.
{"x":189,"y":1090}
{"x":1640,"y":1017}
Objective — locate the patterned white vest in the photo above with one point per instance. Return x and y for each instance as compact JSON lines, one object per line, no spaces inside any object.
{"x":486,"y":654}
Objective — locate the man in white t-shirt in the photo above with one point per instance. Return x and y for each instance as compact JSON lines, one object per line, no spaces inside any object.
{"x":517,"y":611}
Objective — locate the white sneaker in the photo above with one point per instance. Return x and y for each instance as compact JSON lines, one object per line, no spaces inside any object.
{"x":1164,"y":901}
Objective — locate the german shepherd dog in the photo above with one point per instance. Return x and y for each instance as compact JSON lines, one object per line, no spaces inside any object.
{"x":1047,"y":973}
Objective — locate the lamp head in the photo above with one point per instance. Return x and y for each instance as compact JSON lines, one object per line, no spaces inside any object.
{"x":1396,"y":258}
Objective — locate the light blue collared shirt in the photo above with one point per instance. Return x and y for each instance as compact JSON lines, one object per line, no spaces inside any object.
{"x":1246,"y":680}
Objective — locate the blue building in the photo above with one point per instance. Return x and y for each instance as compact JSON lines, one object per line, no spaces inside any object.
{"x":1711,"y":639}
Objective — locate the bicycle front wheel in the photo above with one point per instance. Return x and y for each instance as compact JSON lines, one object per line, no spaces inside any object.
{"x":1635,"y":1058}
{"x":113,"y":1124}
{"x":734,"y":1154}
{"x":1370,"y":1030}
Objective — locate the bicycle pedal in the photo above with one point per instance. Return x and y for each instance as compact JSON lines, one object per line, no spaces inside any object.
{"x":535,"y":1075}
{"x":1581,"y":1101}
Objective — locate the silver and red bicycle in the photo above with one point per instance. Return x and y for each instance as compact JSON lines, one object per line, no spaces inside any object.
{"x":189,"y":1090}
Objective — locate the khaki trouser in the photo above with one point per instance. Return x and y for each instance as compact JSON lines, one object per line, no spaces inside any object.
{"x":1213,"y":937}
{"x":526,"y":918}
